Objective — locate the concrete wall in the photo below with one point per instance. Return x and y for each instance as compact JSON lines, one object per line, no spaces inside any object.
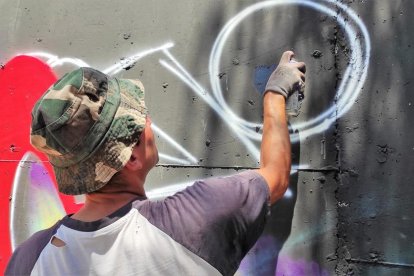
{"x":348,"y":209}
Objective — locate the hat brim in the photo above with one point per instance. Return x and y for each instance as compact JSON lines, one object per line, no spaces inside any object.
{"x":115,"y":149}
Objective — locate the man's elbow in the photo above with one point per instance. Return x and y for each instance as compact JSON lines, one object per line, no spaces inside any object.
{"x":278,"y":188}
{"x":278,"y":182}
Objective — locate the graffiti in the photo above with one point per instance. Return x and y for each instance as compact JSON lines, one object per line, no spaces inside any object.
{"x":348,"y":90}
{"x":266,"y":248}
{"x":299,"y":267}
{"x":36,"y":203}
{"x":33,"y":184}
{"x":54,"y":61}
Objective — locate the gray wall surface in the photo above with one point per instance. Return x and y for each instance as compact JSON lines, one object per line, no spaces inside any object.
{"x":349,"y":207}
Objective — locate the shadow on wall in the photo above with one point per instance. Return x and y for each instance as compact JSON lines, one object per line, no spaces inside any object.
{"x":263,"y":257}
{"x":257,"y":42}
{"x":377,"y":146}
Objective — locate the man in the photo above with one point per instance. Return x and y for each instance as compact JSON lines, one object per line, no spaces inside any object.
{"x":96,"y":133}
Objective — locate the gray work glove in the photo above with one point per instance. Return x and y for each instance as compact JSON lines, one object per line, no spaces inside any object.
{"x":288,"y":77}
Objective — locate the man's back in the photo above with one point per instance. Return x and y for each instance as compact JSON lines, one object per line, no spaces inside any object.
{"x":204,"y":230}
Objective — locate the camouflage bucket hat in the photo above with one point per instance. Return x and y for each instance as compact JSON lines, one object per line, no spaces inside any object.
{"x":87,"y":124}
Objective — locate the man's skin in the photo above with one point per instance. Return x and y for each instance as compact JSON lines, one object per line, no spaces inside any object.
{"x":275,"y":161}
{"x":127,"y":184}
{"x":275,"y":151}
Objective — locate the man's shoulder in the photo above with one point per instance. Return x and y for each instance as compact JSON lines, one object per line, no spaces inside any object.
{"x":242,"y":176}
{"x":224,"y":186}
{"x":27,"y":253}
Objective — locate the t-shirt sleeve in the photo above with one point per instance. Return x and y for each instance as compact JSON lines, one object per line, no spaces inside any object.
{"x":26,"y":254}
{"x":219,"y":218}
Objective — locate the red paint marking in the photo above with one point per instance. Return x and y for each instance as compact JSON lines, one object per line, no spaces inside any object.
{"x":22,"y":81}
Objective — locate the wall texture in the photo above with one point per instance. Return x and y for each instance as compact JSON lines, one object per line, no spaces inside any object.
{"x":349,"y":206}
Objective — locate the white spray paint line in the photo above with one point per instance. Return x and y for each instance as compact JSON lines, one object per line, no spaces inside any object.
{"x":322,"y":122}
{"x":77,"y":62}
{"x":353,"y":79}
{"x":54,"y":61}
{"x":355,"y":74}
{"x":243,"y":126}
{"x":172,"y":142}
{"x":296,"y":168}
{"x":118,"y":67}
{"x":184,"y":71}
{"x":159,"y":193}
{"x":237,"y":124}
{"x":197,"y":88}
{"x":23,"y":188}
{"x":167,"y":157}
{"x":199,"y":91}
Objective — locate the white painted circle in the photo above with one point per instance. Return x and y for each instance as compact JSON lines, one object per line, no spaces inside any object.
{"x":349,"y":88}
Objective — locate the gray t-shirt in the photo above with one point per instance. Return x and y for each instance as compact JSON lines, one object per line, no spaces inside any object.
{"x":206,"y":229}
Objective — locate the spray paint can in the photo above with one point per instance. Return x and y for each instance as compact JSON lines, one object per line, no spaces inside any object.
{"x":294,"y":101}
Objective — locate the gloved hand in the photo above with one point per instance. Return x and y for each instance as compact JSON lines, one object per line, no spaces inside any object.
{"x":288,"y":77}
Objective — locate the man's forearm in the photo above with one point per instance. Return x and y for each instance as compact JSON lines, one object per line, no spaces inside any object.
{"x":275,"y":158}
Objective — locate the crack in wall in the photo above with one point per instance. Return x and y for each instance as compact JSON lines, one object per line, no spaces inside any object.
{"x":326,"y":169}
{"x":381,"y":263}
{"x":342,"y":255}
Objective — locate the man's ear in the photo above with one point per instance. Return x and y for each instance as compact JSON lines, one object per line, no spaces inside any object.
{"x":134,"y":163}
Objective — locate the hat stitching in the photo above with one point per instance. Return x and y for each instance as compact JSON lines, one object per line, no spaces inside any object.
{"x":94,"y":129}
{"x":85,"y":182}
{"x":111,"y":157}
{"x":55,"y":121}
{"x":109,"y":133}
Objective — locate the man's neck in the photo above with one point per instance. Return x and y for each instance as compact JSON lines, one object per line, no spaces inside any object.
{"x":101,"y":204}
{"x":122,"y":189}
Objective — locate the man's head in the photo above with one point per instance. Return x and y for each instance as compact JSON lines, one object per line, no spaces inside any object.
{"x":88,"y":125}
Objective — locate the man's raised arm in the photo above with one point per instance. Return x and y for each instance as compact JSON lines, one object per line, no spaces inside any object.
{"x":275,"y":153}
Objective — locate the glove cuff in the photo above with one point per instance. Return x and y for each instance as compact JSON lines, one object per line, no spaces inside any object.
{"x":277,"y":90}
